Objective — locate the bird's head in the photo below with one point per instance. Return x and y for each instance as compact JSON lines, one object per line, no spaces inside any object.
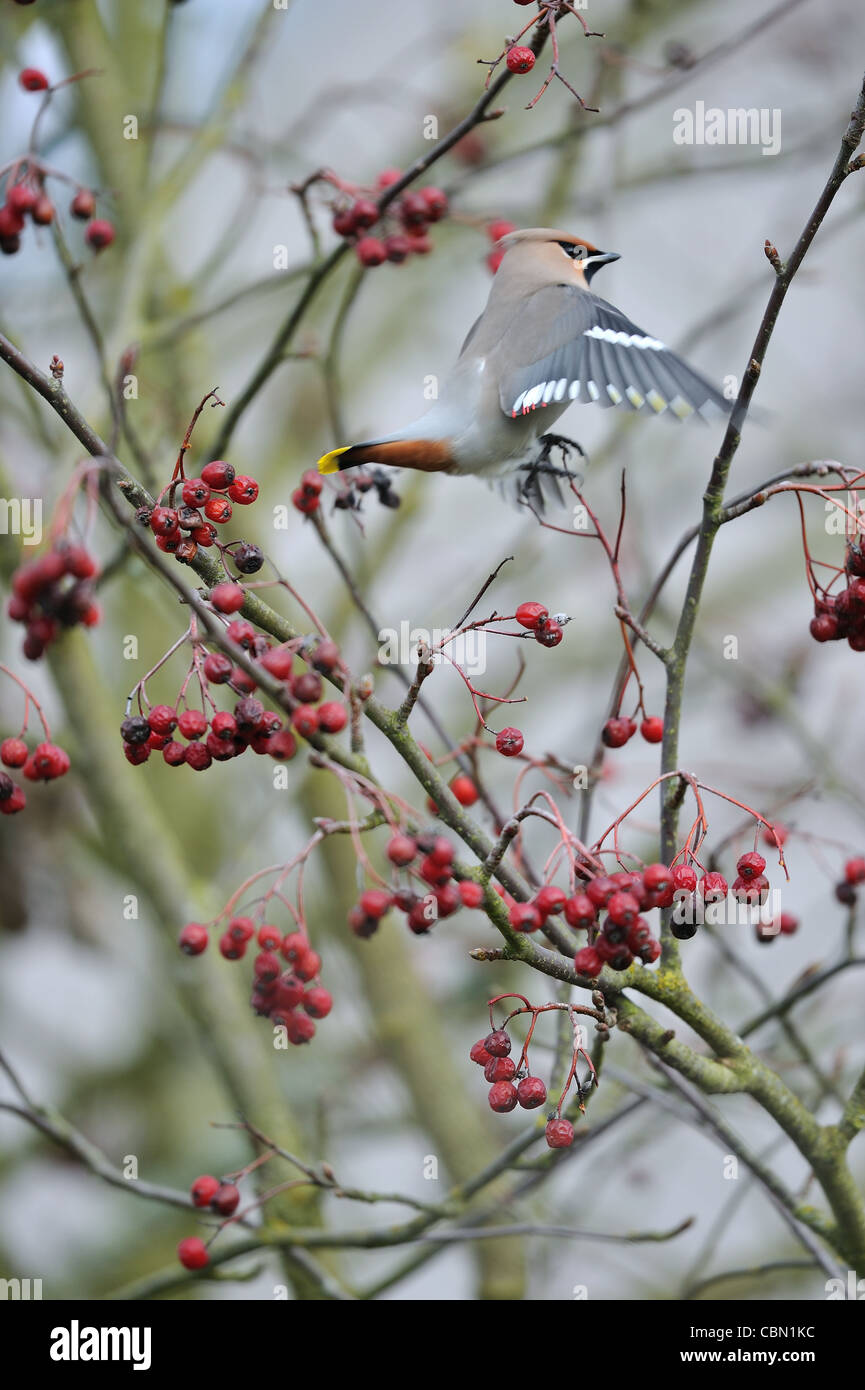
{"x":544,"y":250}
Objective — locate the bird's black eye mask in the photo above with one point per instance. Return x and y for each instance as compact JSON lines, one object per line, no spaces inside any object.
{"x":574,"y":250}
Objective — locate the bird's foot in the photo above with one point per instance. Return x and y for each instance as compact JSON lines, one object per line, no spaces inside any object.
{"x":565,"y":446}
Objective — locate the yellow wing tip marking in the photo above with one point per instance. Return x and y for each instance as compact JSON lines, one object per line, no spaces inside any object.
{"x":328,"y":462}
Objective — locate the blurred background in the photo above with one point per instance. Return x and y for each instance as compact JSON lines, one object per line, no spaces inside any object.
{"x":143,"y":1050}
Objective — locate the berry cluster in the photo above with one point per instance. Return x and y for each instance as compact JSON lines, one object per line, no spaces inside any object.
{"x":500,"y":1070}
{"x":620,"y":729}
{"x":219,"y":1196}
{"x":25,"y":195}
{"x":181,"y":523}
{"x":512,"y":1083}
{"x":854,"y":875}
{"x":427,"y":860}
{"x":536,"y":619}
{"x":225,"y":734}
{"x":52,"y":592}
{"x":623,"y":934}
{"x":843,"y":614}
{"x":349,"y":491}
{"x":44,"y":763}
{"x":289,"y":997}
{"x":402,"y":228}
{"x":519,"y":59}
{"x":495,"y":231}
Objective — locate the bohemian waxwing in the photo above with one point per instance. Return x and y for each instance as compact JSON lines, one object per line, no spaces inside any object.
{"x":543,"y":341}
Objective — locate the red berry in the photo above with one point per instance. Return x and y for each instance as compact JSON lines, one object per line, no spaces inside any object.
{"x":580,"y":911}
{"x":305,"y":720}
{"x":370,"y":251}
{"x":623,"y":909}
{"x":587,"y":962}
{"x":401,"y":850}
{"x":479,"y":1053}
{"x":413,"y":210}
{"x":520,"y":59}
{"x":509,"y":742}
{"x":218,"y":475}
{"x":227,"y":597}
{"x":99,"y":233}
{"x":13,"y":803}
{"x":231,"y":947}
{"x":226,"y":1199}
{"x":241,"y":928}
{"x":217,"y":668}
{"x":788,"y":923}
{"x":193,"y":939}
{"x":599,"y":890}
{"x":531,"y":1092}
{"x":300,"y":1028}
{"x":824,"y":627}
{"x":244,"y":490}
{"x":46,"y":763}
{"x":531,"y":615}
{"x":503,"y":1097}
{"x":217,"y":509}
{"x":375,"y":902}
{"x":332,"y":716}
{"x":364,"y":213}
{"x":195,"y":492}
{"x":318,"y":1002}
{"x":43,"y":211}
{"x":79,"y":562}
{"x":494,"y":260}
{"x":500,"y":1069}
{"x":11,"y":221}
{"x":496,"y":230}
{"x":524,"y":917}
{"x":192,"y":723}
{"x":775,"y":835}
{"x":13,"y":752}
{"x":192,"y":1253}
{"x":163,"y":521}
{"x":549,"y":634}
{"x":650,"y":952}
{"x":657,"y":878}
{"x":387,"y":177}
{"x":854,"y":871}
{"x":684,"y":878}
{"x":83,"y":205}
{"x":21,"y":198}
{"x":713,"y":887}
{"x":750,"y":865}
{"x":550,"y":900}
{"x":616,"y":732}
{"x":398,"y":247}
{"x":652,"y":729}
{"x":471,"y":893}
{"x":497,"y":1043}
{"x":32,"y":80}
{"x":282,"y":746}
{"x":436,"y":203}
{"x":203,"y":1190}
{"x":559,"y":1134}
{"x":464,"y":789}
{"x":197,"y":756}
{"x":162,"y":719}
{"x":343,"y":222}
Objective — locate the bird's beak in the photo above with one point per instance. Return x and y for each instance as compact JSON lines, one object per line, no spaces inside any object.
{"x":605,"y":257}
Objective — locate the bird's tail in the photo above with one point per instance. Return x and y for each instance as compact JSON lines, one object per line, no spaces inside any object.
{"x":427,"y":455}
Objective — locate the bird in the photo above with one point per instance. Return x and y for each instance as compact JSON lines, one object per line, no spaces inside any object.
{"x":544,"y":341}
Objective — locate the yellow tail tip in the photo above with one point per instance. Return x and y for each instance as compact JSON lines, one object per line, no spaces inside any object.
{"x":328,"y":462}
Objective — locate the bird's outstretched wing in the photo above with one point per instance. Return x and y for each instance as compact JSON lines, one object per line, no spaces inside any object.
{"x":569,"y":345}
